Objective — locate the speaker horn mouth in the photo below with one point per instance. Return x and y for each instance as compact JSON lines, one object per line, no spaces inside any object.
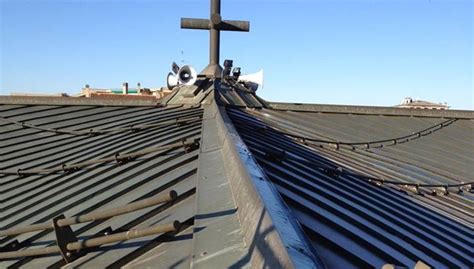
{"x":187,"y":75}
{"x":171,"y":81}
{"x":184,"y":76}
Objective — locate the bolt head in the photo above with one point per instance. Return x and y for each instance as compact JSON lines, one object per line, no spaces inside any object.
{"x":216,"y":19}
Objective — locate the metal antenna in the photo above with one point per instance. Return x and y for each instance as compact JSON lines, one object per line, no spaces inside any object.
{"x":215,"y":24}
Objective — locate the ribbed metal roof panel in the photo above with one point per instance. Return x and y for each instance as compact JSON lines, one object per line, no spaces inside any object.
{"x":39,"y":198}
{"x":352,"y":222}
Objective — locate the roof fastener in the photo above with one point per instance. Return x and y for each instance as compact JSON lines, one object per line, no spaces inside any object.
{"x":64,"y":167}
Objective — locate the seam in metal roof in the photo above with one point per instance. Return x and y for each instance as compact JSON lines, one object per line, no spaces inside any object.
{"x":39,"y":198}
{"x":352,"y":222}
{"x":254,"y":194}
{"x":223,"y":219}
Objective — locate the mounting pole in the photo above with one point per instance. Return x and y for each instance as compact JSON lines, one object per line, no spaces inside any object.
{"x":214,"y":35}
{"x":214,"y":24}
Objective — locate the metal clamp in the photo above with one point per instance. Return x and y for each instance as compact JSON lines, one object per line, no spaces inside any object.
{"x":446,"y":191}
{"x":190,"y":147}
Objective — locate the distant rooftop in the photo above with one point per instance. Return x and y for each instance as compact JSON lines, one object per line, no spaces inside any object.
{"x":409,"y":102}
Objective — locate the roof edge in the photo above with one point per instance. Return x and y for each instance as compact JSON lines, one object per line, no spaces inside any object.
{"x":372,"y":110}
{"x":76,"y":101}
{"x":274,"y":237}
{"x":216,"y":215}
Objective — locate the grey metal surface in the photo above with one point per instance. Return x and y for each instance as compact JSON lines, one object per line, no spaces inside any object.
{"x":218,"y":237}
{"x":371,"y":110}
{"x":242,"y":232}
{"x":224,"y":222}
{"x":231,"y":93}
{"x":190,"y":94}
{"x":97,"y":101}
{"x":354,"y":223}
{"x":235,"y":219}
{"x":275,"y":239}
{"x":39,"y":198}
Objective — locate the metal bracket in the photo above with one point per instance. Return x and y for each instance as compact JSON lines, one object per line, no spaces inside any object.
{"x":64,"y":236}
{"x":190,"y":147}
{"x":275,"y":155}
{"x":334,"y":172}
{"x":12,"y":246}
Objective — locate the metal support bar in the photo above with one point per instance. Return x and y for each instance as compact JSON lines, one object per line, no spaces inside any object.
{"x":214,"y":37}
{"x":94,"y":242}
{"x":116,"y":158}
{"x":196,"y":24}
{"x":95,"y":215}
{"x":205,"y":24}
{"x":131,"y":234}
{"x":235,"y":26}
{"x":91,"y":132}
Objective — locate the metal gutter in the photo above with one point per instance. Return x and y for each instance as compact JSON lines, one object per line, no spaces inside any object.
{"x":273,"y":236}
{"x":372,"y":110}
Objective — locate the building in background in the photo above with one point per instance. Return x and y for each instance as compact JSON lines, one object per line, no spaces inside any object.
{"x":409,"y":102}
{"x":156,"y":93}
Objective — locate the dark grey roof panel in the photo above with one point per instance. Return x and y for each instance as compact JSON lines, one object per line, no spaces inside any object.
{"x":79,"y":101}
{"x":39,"y":198}
{"x":34,"y":144}
{"x":355,"y":223}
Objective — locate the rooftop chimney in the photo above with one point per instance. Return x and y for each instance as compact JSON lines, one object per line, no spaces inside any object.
{"x":125,"y":88}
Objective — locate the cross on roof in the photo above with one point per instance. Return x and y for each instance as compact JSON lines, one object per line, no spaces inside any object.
{"x":215,"y":24}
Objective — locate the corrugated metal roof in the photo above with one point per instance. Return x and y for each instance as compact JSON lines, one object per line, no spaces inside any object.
{"x":317,"y":158}
{"x":351,"y":221}
{"x":64,"y":157}
{"x":39,"y":198}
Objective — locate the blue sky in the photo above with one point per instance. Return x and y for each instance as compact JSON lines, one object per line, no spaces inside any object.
{"x":357,"y":52}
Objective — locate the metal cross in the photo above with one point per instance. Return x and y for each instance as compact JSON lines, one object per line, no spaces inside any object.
{"x":215,"y":24}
